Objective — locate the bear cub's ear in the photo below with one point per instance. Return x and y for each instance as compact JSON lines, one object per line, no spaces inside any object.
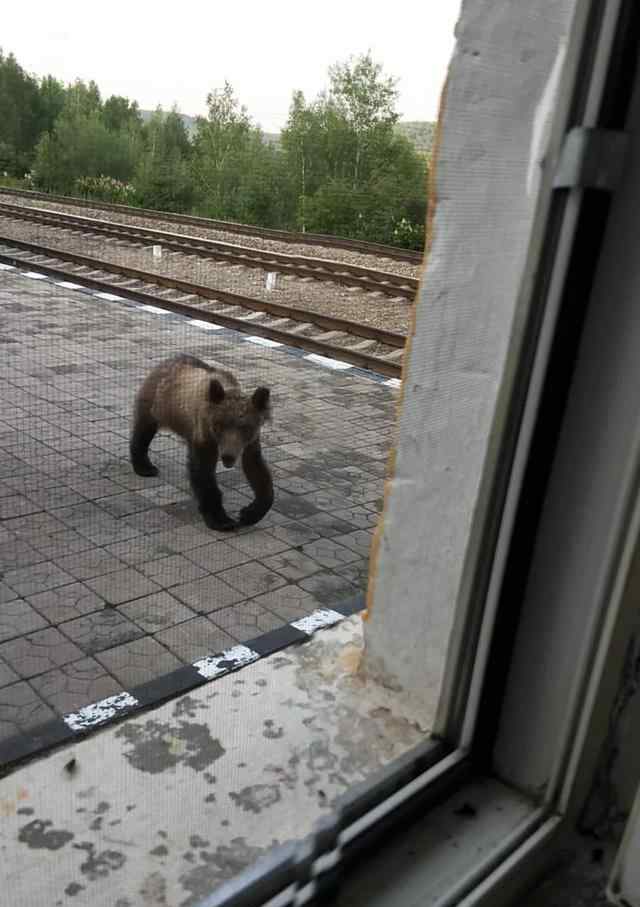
{"x":260,"y":398}
{"x":216,"y":391}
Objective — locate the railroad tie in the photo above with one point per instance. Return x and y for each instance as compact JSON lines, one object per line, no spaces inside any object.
{"x":362,"y":347}
{"x":328,"y":335}
{"x":299,"y":328}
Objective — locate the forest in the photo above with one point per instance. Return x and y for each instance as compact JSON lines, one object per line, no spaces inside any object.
{"x":341,"y":165}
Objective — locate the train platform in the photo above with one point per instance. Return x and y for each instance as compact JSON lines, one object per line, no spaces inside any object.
{"x":114,"y":596}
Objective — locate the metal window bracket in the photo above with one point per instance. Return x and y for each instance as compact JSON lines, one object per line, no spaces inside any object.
{"x":592,"y":159}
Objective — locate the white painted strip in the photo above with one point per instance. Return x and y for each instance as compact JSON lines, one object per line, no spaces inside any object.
{"x":99,"y":712}
{"x":4,"y":267}
{"x":111,"y":297}
{"x":34,"y":275}
{"x":205,"y":325}
{"x":263,"y":341}
{"x":328,"y":363}
{"x":154,"y":309}
{"x":393,"y":382}
{"x":323,"y":617}
{"x":215,"y":665}
{"x":67,"y":285}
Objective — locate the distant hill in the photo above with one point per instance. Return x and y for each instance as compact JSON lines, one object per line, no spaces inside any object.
{"x":419,"y":132}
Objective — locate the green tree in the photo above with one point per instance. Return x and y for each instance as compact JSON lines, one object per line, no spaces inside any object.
{"x":121,"y":113}
{"x":366,"y":99}
{"x":88,"y":139}
{"x":52,"y":98}
{"x":20,"y":117}
{"x":82,"y":99}
{"x":219,"y":143}
{"x":163,"y":176}
{"x":352,"y":174}
{"x":80,"y":146}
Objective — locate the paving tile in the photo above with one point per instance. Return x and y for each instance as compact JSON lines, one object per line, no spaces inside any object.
{"x":194,"y":639}
{"x":356,"y":573}
{"x":94,"y":488}
{"x":182,"y":539}
{"x":123,"y":504}
{"x":295,"y":485}
{"x":358,"y":516}
{"x":16,"y":553}
{"x":258,"y":543}
{"x":75,"y":685}
{"x":153,"y":520}
{"x":288,"y":603}
{"x":208,"y":594}
{"x":295,"y":534}
{"x":100,"y":630}
{"x":66,"y":602}
{"x":138,"y":661}
{"x":38,"y":652}
{"x":328,"y":525}
{"x":329,"y":554}
{"x":33,"y":525}
{"x":156,"y":612}
{"x":59,"y":495}
{"x":296,"y":507}
{"x":139,"y":550}
{"x":6,"y":594}
{"x":55,"y":545}
{"x":16,"y":505}
{"x":36,"y":578}
{"x":246,"y":620}
{"x":328,"y":587}
{"x":90,"y":563}
{"x":122,"y":585}
{"x":326,"y":499}
{"x":292,"y":564}
{"x":7,"y":675}
{"x":217,"y":556}
{"x":252,"y":579}
{"x":358,"y":541}
{"x":169,"y":571}
{"x":21,"y":710}
{"x":17,"y":617}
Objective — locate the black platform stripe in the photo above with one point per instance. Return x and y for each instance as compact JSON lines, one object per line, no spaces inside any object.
{"x":276,"y":640}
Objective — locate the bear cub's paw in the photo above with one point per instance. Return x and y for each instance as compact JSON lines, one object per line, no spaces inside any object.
{"x":145,"y":469}
{"x":250,"y":515}
{"x":219,"y":521}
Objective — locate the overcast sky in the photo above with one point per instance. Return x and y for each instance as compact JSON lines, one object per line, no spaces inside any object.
{"x":166,"y":53}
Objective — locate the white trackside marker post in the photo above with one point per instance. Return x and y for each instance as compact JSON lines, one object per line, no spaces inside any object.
{"x":271,"y":281}
{"x":157,"y":251}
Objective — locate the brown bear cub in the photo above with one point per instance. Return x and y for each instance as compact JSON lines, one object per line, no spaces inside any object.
{"x":203,"y":404}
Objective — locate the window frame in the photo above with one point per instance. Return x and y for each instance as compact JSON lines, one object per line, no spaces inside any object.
{"x":599,"y":75}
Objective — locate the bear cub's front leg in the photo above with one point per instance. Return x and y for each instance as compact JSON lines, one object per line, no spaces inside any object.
{"x":202,"y":474}
{"x":259,"y":478}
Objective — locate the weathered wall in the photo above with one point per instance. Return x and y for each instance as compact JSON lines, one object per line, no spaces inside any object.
{"x":493,"y":130}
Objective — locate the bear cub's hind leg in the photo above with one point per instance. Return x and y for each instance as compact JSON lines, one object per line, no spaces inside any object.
{"x":144,"y":431}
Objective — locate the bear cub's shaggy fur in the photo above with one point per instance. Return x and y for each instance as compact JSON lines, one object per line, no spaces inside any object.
{"x":204,"y":405}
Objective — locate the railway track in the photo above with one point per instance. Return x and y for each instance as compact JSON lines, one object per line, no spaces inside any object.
{"x":287,"y":236}
{"x":364,"y":346}
{"x":366,"y":279}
